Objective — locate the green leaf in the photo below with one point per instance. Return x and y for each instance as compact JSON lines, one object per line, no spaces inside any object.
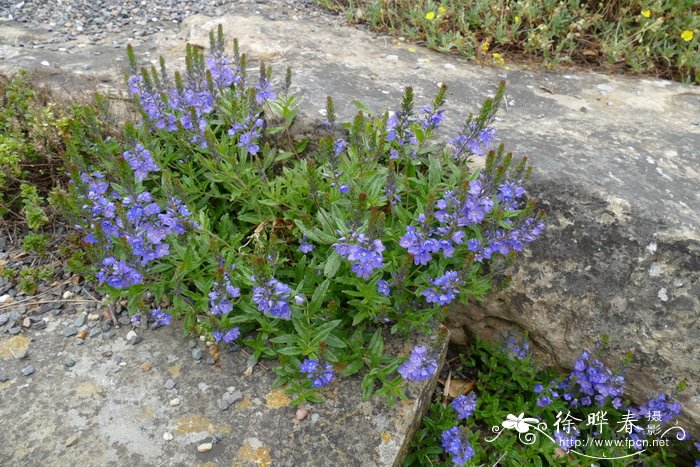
{"x":333,"y":263}
{"x":290,"y":350}
{"x":353,"y":367}
{"x":324,"y":331}
{"x":367,"y":387}
{"x":363,"y":107}
{"x":376,"y":345}
{"x":318,"y":296}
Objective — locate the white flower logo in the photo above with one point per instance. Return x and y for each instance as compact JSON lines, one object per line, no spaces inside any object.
{"x":521,"y":424}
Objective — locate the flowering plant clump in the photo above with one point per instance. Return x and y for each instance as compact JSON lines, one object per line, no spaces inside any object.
{"x":502,"y":414}
{"x":301,"y":252}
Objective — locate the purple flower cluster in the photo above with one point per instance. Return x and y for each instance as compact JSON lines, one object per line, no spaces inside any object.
{"x":472,"y":140}
{"x":457,"y":210}
{"x":320,"y":373}
{"x":383,"y":287}
{"x":366,"y":254}
{"x":431,"y":118}
{"x":141,"y":162}
{"x":660,"y":409}
{"x":220,"y":297}
{"x":456,"y":444}
{"x":333,"y":170}
{"x":595,"y":382}
{"x":264,"y":90}
{"x":589,"y":383}
{"x":224,"y":73}
{"x":518,"y":348}
{"x":118,"y":274}
{"x":249,"y":133}
{"x":161,"y":318}
{"x":464,"y":405}
{"x":228,"y":336}
{"x":419,"y":366}
{"x":187,"y":104}
{"x":447,"y":287}
{"x":272,"y":298}
{"x":143,"y":223}
{"x":398,"y":128}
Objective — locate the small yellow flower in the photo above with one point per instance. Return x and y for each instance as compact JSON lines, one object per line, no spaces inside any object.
{"x":485,"y":46}
{"x":430,"y":15}
{"x":496,"y":55}
{"x":687,"y":35}
{"x":441,"y":10}
{"x":516,"y":19}
{"x":646,"y":13}
{"x":411,"y":50}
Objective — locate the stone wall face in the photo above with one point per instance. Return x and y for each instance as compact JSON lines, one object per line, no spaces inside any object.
{"x":597,"y":272}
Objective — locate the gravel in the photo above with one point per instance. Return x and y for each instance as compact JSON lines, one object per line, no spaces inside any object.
{"x":115,"y":21}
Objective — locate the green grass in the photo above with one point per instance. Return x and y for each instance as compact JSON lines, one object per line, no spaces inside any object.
{"x":657,"y":37}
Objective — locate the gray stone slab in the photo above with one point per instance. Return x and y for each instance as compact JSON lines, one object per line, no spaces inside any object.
{"x":120,"y":414}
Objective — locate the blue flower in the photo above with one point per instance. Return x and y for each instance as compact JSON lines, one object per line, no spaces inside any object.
{"x":419,"y":366}
{"x":306,"y":247}
{"x":365,"y":254}
{"x":383,"y":287}
{"x":544,"y":401}
{"x":464,"y":405}
{"x":272,"y":298}
{"x":161,"y":318}
{"x":231,"y":335}
{"x":320,"y":373}
{"x":447,"y":288}
{"x":141,"y":162}
{"x":455,"y":443}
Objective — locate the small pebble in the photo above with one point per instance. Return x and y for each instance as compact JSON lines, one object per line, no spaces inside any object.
{"x":197,"y":353}
{"x":67,"y":295}
{"x":7,"y":298}
{"x":122,"y":363}
{"x":3,"y":378}
{"x":27,"y":323}
{"x":223,"y":406}
{"x":170,"y":384}
{"x":70,"y":331}
{"x":94,"y":332}
{"x":93,"y":317}
{"x":20,"y":353}
{"x":145,"y":367}
{"x":68,"y":362}
{"x":175,"y":402}
{"x":136,"y":340}
{"x":301,"y":414}
{"x":27,"y":370}
{"x":72,"y":440}
{"x":130,"y":335}
{"x":192,"y":343}
{"x":82,"y":334}
{"x":205,"y":447}
{"x":167,"y":436}
{"x":80,"y":320}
